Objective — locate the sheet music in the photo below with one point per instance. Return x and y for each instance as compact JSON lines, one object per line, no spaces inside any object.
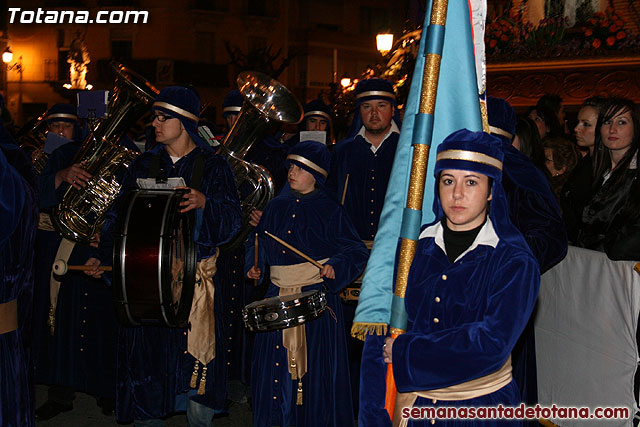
{"x":152,"y":184}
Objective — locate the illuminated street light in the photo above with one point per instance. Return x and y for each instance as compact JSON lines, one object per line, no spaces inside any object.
{"x":384,"y":42}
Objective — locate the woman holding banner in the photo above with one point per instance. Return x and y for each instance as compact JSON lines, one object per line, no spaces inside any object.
{"x":471,"y":289}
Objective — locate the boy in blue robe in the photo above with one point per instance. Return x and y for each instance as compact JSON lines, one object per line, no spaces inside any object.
{"x":471,"y":288}
{"x":156,"y":369}
{"x":307,"y":218}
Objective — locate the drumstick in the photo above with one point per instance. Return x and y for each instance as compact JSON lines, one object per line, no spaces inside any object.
{"x":255,"y":258}
{"x":344,"y":192}
{"x":60,"y":267}
{"x":294,"y":250}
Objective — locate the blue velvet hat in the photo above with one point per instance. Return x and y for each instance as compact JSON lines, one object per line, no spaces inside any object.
{"x":313,"y":157}
{"x":62,"y":113}
{"x":482,"y":153}
{"x":317,"y":108}
{"x":367,"y":90}
{"x":375,"y":89}
{"x":502,"y":118}
{"x":232,"y":103}
{"x":183,"y":104}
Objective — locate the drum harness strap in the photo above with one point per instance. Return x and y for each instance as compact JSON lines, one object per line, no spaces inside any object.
{"x":201,"y":335}
{"x":290,"y":279}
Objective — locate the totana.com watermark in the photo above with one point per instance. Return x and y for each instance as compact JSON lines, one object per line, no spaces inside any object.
{"x":41,"y":16}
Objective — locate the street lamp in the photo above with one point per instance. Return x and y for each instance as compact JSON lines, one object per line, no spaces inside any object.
{"x":7,"y":57}
{"x":345,"y":81}
{"x":384,"y":42}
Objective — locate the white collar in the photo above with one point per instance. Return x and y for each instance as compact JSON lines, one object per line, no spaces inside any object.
{"x":394,"y":128}
{"x":487,"y":236}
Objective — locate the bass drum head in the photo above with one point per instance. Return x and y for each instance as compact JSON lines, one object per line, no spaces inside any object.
{"x":154,"y":260}
{"x":178,"y":265}
{"x":281,"y":312}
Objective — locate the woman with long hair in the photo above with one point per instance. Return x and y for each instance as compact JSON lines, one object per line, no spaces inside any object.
{"x":577,"y":190}
{"x":612,"y":216}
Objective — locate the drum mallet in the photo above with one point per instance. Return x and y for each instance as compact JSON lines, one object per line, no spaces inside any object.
{"x":255,"y":259}
{"x":60,"y":267}
{"x":294,"y":250}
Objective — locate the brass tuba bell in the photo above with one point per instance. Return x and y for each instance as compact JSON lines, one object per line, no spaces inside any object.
{"x":82,"y":212}
{"x":32,"y":137}
{"x":267,"y":101}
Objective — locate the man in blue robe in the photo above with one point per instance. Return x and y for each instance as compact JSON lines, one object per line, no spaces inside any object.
{"x":157,"y":373}
{"x":74,"y":330}
{"x":305,"y":216}
{"x":360,"y":171}
{"x":18,"y":216}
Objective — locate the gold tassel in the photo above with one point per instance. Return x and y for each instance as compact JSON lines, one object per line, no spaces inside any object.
{"x":361,"y":330}
{"x":194,"y":376}
{"x":51,"y":321}
{"x":203,"y":380}
{"x":299,"y":398}
{"x":294,"y":369}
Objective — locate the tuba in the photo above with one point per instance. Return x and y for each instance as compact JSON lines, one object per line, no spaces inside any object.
{"x":82,"y":212}
{"x":31,"y":138}
{"x":267,"y":101}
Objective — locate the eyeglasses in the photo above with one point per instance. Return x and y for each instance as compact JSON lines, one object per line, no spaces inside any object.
{"x":161,"y":117}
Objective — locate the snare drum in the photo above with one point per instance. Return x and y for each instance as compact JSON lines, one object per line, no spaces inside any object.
{"x":281,"y":312}
{"x":154,"y":259}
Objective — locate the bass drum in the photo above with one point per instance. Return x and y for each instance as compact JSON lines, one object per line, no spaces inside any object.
{"x":154,"y":259}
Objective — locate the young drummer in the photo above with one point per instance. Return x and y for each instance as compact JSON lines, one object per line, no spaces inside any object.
{"x":286,"y":390}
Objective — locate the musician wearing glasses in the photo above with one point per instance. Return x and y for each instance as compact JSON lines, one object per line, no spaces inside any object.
{"x":162,"y":370}
{"x":300,"y":375}
{"x":74,"y":327}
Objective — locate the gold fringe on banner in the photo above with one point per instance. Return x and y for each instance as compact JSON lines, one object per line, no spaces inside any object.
{"x":361,"y":330}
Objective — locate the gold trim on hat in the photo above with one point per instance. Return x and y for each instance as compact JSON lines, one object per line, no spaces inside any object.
{"x":61,"y":116}
{"x":308,"y":163}
{"x":471,"y":156}
{"x":178,"y":110}
{"x":317,"y":113}
{"x":378,"y":93}
{"x":498,"y":131}
{"x":231,"y":109}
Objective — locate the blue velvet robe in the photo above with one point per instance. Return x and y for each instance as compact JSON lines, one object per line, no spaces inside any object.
{"x":369,"y":175}
{"x":316,"y":225}
{"x":368,"y":178}
{"x":237,"y":290}
{"x":81,"y":354}
{"x":485,"y":299}
{"x":153,"y":364}
{"x":19,"y":218}
{"x":533,"y":210}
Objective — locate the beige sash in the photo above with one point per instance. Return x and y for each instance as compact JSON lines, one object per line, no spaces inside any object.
{"x":201,"y":339}
{"x":290,"y":279}
{"x":464,"y":391}
{"x":64,"y":252}
{"x":44,"y":222}
{"x":8,"y":316}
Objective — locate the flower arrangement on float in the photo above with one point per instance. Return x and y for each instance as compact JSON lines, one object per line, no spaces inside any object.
{"x":601,"y":33}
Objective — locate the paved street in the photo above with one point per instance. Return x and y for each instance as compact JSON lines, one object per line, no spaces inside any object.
{"x":86,"y":413}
